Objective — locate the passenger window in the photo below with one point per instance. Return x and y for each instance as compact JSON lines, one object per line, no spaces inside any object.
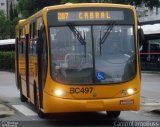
{"x":33,"y":38}
{"x":21,"y":43}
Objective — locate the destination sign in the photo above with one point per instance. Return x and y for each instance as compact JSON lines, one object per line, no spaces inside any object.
{"x":90,"y":15}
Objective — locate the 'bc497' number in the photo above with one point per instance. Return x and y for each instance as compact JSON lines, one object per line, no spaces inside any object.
{"x":83,"y":90}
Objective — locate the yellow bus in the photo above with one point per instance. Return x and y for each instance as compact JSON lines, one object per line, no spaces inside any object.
{"x":79,"y":58}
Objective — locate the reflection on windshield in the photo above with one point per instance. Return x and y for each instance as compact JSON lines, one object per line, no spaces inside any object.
{"x":72,"y":62}
{"x":117,"y":58}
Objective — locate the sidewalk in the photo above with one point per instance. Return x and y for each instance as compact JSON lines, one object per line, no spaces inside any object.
{"x":5,"y":110}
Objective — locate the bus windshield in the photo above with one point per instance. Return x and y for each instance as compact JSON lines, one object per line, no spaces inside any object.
{"x":92,"y":57}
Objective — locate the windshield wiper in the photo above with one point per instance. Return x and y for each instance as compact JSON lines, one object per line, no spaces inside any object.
{"x":105,"y":36}
{"x":78,"y":35}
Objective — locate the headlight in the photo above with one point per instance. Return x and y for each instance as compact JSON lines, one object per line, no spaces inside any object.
{"x":58,"y":92}
{"x":130,"y":91}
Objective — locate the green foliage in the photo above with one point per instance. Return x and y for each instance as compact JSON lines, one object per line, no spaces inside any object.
{"x":118,"y":1}
{"x":72,"y":1}
{"x":7,"y":27}
{"x":39,"y":4}
{"x":28,"y":7}
{"x":4,"y":26}
{"x":95,"y":1}
{"x":7,"y":61}
{"x":11,"y":12}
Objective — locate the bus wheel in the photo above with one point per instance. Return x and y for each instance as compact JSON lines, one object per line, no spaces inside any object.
{"x":39,"y":111}
{"x":113,"y":114}
{"x":41,"y":114}
{"x":22,"y":97}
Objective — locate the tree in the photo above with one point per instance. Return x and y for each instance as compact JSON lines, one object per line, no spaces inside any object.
{"x":11,"y":12}
{"x":15,"y":13}
{"x":85,"y":1}
{"x":28,"y":7}
{"x":7,"y":27}
{"x":76,"y":1}
{"x":39,"y":4}
{"x":118,"y":1}
{"x":134,"y":2}
{"x":152,"y":3}
{"x":3,"y":24}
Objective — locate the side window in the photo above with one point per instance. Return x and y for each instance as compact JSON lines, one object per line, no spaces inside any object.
{"x":21,"y":43}
{"x":30,"y":38}
{"x":21,"y":50}
{"x":33,"y":38}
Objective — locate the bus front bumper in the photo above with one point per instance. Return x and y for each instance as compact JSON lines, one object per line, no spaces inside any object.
{"x":52,"y":104}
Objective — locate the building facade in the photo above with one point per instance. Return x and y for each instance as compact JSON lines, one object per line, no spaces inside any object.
{"x":10,"y":3}
{"x":5,"y":6}
{"x":146,"y":14}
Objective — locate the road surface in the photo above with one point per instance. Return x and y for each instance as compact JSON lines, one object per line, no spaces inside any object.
{"x":25,"y":115}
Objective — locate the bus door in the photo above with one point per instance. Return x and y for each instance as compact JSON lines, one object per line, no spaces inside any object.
{"x":16,"y":63}
{"x":32,"y":58}
{"x":27,"y":64}
{"x":22,"y":57}
{"x":42,"y":62}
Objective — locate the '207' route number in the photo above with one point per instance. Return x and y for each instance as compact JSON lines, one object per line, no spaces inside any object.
{"x":83,"y":90}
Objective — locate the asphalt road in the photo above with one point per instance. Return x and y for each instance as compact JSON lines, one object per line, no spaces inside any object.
{"x":25,"y":114}
{"x":151,"y":85}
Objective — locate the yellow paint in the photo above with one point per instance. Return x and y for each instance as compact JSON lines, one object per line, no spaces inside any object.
{"x":80,"y":15}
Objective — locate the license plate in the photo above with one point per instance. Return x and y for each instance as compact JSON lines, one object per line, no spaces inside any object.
{"x":81,"y":90}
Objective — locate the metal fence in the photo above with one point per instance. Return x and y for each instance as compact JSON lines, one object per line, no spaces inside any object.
{"x":150,"y":61}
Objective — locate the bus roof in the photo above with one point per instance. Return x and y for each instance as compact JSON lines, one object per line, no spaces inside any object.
{"x":72,"y":5}
{"x":7,"y":42}
{"x":76,"y":5}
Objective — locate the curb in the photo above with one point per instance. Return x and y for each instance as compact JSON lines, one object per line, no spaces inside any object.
{"x":150,"y":72}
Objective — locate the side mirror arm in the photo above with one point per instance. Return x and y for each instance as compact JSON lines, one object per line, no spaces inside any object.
{"x":141,"y":38}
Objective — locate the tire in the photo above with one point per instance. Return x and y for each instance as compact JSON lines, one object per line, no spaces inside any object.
{"x":113,"y":114}
{"x":37,"y":104}
{"x":40,"y":113}
{"x":35,"y":95}
{"x":22,"y":97}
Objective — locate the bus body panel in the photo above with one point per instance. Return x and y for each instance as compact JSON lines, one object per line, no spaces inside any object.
{"x":99,"y":91}
{"x":58,"y":105}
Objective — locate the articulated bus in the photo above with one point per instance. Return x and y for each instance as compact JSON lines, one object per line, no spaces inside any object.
{"x":79,"y":58}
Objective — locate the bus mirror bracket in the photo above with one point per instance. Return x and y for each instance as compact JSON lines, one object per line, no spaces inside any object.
{"x":141,"y":38}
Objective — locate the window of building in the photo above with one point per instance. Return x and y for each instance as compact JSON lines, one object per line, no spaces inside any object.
{"x":2,"y":4}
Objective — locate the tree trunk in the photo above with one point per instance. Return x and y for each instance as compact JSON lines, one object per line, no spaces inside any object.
{"x":156,"y":10}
